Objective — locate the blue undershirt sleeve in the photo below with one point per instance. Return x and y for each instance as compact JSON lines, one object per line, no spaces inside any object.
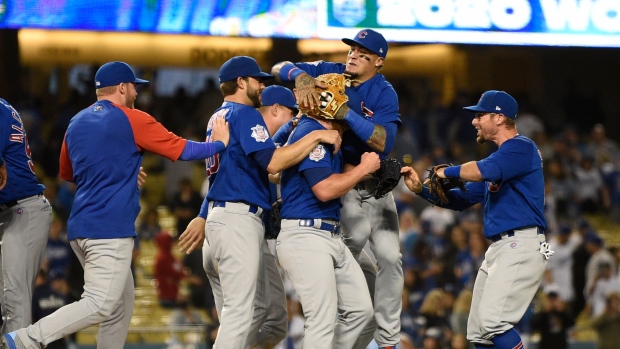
{"x":317,"y":174}
{"x":283,"y":133}
{"x":360,"y":126}
{"x":201,"y":150}
{"x":263,"y":157}
{"x":204,"y":209}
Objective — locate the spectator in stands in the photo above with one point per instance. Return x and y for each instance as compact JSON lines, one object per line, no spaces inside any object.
{"x":185,"y":314}
{"x":554,"y":321}
{"x":149,"y":227}
{"x":607,"y":325}
{"x":460,"y":312}
{"x":168,"y":271}
{"x":559,"y":268}
{"x":604,"y":284}
{"x":434,"y":319}
{"x":186,"y":204}
{"x":603,"y":149}
{"x":200,"y":293}
{"x":598,"y":255}
{"x":49,"y":295}
{"x":561,"y":188}
{"x":58,"y":252}
{"x":581,"y":256}
{"x":592,"y":194}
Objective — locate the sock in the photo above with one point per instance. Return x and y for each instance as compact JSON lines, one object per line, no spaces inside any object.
{"x":484,"y":346}
{"x":10,"y":339}
{"x":508,"y":340}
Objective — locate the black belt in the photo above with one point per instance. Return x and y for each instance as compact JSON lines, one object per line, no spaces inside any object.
{"x":252,"y":208}
{"x":332,"y":228}
{"x":10,"y":204}
{"x":510,"y":233}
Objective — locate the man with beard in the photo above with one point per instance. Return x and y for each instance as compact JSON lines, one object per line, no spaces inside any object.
{"x":372,"y":119}
{"x":510,"y":185}
{"x":239,"y":194}
{"x":102,"y":153}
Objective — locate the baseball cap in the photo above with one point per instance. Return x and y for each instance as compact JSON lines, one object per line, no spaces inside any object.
{"x":240,"y":66}
{"x":114,"y":73}
{"x":498,"y":102}
{"x":592,"y":237}
{"x":279,"y":94}
{"x":371,"y":40}
{"x":565,"y":229}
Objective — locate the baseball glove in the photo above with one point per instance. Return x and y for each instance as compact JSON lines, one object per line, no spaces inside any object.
{"x":272,"y":228}
{"x":332,"y":98}
{"x":440,"y":186}
{"x":386,"y":177}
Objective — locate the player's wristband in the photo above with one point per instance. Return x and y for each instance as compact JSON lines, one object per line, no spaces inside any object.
{"x":204,"y":209}
{"x":289,"y":72}
{"x":426,"y":195}
{"x":452,"y":171}
{"x":360,"y":126}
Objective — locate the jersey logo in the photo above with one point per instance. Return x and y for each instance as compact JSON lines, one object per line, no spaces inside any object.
{"x":318,"y":153}
{"x":260,"y":133}
{"x":367,"y":112}
{"x":494,"y":187}
{"x":98,"y":108}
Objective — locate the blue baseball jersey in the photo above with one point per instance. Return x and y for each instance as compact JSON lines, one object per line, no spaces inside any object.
{"x":513,"y":188}
{"x":102,"y":153}
{"x":298,"y":199}
{"x":22,"y":181}
{"x":235,"y":175}
{"x":374,"y":99}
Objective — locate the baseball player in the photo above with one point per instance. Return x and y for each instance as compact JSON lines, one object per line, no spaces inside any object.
{"x":102,"y":153}
{"x":372,"y":119}
{"x":239,"y":194}
{"x":269,"y":325}
{"x":322,"y":270}
{"x":510,"y":185}
{"x":25,"y":220}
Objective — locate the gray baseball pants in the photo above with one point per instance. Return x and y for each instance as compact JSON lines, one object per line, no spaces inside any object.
{"x":329,"y":282}
{"x":505,"y":285}
{"x":107,"y":300}
{"x":24,"y":230}
{"x":365,"y":218}
{"x":247,"y":287}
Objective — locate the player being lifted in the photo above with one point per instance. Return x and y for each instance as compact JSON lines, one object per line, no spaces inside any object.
{"x":372,"y":119}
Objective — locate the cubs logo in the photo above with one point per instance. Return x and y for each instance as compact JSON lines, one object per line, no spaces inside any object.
{"x":260,"y":133}
{"x":318,"y":153}
{"x":367,"y":112}
{"x":494,"y":187}
{"x":513,"y":245}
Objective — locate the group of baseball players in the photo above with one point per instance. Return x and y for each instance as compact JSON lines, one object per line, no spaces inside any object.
{"x":328,"y":212}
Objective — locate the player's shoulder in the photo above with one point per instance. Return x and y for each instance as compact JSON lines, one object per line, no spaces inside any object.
{"x":304,"y":127}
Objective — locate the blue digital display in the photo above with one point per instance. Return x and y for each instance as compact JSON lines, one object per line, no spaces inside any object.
{"x":510,"y":22}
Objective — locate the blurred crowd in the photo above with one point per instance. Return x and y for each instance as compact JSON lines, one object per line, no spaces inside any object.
{"x":441,"y":249}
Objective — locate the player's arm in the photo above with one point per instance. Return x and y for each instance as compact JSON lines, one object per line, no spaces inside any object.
{"x":338,"y":184}
{"x":289,"y":155}
{"x":459,"y":200}
{"x":304,"y":83}
{"x":469,"y":171}
{"x":66,"y":169}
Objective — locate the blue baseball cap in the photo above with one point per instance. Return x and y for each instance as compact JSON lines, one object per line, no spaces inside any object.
{"x":278,"y":94}
{"x":241,"y":66}
{"x":370,"y":40}
{"x":498,"y":102}
{"x":114,"y":73}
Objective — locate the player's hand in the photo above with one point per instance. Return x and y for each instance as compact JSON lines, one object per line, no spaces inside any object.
{"x":3,"y":176}
{"x":370,"y":161}
{"x":193,"y":236}
{"x":141,"y":177}
{"x":220,"y":131}
{"x":330,"y":137}
{"x":305,"y":90}
{"x":412,"y":180}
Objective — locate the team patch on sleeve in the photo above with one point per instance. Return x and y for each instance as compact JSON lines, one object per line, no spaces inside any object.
{"x":260,"y":133}
{"x":318,"y":153}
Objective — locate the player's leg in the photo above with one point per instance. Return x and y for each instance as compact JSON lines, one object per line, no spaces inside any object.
{"x":474,"y":328}
{"x":269,"y":326}
{"x":113,"y":331}
{"x":385,"y":245}
{"x":308,"y":256}
{"x":106,"y":265}
{"x":354,"y":222}
{"x":354,"y":305}
{"x":209,"y":263}
{"x":235,"y":237}
{"x":25,"y":232}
